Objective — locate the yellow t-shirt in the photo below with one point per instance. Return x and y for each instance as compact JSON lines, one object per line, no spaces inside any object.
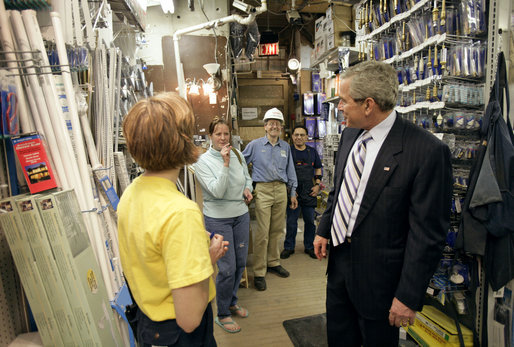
{"x":163,"y":244}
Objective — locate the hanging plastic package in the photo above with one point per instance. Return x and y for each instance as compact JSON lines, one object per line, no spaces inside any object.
{"x":236,"y":38}
{"x":253,"y":37}
{"x":9,"y":126}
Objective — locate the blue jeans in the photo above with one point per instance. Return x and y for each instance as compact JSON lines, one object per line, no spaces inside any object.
{"x":168,"y":333}
{"x":292,"y":227}
{"x":231,"y":266}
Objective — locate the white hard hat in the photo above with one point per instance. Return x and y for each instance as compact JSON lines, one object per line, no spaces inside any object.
{"x":274,"y":113}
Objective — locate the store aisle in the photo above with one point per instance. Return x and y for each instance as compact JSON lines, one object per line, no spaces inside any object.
{"x":301,"y":294}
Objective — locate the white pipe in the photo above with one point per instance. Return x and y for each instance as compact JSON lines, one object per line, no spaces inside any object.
{"x":65,"y":144}
{"x":89,"y":27}
{"x":109,"y":162}
{"x":35,"y":119}
{"x":117,"y":108}
{"x":90,"y":142}
{"x":213,"y":23}
{"x":23,"y":44}
{"x":8,"y":48}
{"x":52,"y":102}
{"x":96,"y":239}
{"x":77,"y":22}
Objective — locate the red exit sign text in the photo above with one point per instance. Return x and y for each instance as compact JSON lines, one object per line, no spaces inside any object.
{"x":266,"y":49}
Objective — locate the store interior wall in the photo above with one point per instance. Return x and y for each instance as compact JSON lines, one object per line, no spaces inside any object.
{"x":161,"y":24}
{"x":156,"y":49}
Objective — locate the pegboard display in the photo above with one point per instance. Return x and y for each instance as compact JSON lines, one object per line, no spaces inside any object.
{"x":13,"y":319}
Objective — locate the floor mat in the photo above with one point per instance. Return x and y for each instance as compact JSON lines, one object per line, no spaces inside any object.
{"x":310,"y":331}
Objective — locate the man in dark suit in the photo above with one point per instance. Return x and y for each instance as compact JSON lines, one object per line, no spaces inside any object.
{"x":387,"y":216}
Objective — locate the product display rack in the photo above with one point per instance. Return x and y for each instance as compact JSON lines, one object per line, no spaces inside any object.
{"x":466,"y":132}
{"x":431,"y":105}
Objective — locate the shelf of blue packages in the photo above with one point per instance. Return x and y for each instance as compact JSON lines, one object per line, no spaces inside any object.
{"x":332,"y":55}
{"x":332,"y":99}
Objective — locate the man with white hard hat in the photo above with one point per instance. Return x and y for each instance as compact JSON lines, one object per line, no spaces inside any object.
{"x":274,"y":176}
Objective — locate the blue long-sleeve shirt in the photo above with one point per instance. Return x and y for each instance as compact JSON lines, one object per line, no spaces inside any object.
{"x":222,"y":187}
{"x":271,"y":163}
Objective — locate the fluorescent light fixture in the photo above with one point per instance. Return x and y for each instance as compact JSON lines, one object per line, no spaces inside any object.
{"x":240,"y":5}
{"x":167,"y":6}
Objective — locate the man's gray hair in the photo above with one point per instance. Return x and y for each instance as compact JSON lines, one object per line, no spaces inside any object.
{"x":376,"y":80}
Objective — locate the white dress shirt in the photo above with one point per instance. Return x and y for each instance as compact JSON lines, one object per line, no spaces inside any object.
{"x":378,"y":134}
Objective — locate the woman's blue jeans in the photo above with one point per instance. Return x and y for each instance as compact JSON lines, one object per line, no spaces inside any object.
{"x":231,"y":266}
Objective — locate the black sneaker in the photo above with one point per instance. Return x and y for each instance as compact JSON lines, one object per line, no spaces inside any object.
{"x":279,"y":271}
{"x":286,"y":253}
{"x":259,"y":283}
{"x":311,"y":254}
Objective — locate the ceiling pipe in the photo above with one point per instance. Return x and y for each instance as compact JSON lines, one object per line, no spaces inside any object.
{"x":208,"y":25}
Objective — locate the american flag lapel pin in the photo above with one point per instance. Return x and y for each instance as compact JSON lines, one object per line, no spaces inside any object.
{"x":387,"y":168}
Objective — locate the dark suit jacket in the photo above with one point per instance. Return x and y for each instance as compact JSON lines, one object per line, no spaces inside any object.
{"x":403,"y":220}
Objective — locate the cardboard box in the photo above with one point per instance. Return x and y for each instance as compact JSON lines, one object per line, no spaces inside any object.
{"x":35,"y":232}
{"x":338,"y":23}
{"x":78,"y":268}
{"x":422,"y":338}
{"x":29,"y":274}
{"x":433,"y":319}
{"x":339,"y":18}
{"x":320,"y":46}
{"x":318,"y":28}
{"x":305,"y":81}
{"x":331,"y":41}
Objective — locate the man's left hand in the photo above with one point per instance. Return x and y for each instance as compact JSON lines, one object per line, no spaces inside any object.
{"x":400,"y":315}
{"x":315,"y":190}
{"x":294,"y":203}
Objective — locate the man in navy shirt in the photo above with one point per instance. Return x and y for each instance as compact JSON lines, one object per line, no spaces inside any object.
{"x":308,"y":173}
{"x":274,"y":176}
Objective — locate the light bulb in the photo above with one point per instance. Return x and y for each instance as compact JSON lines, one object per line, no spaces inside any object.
{"x":194,"y":89}
{"x":207,"y":88}
{"x":293,"y":64}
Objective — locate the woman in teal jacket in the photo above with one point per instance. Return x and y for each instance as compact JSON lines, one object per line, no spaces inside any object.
{"x":226,"y":187}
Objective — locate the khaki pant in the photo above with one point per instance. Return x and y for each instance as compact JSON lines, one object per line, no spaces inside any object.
{"x":270,"y":212}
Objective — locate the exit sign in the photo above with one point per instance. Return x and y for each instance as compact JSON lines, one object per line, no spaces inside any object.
{"x":266,"y":49}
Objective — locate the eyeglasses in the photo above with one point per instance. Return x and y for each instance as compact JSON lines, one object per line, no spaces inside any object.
{"x":274,"y":124}
{"x":299,"y":135}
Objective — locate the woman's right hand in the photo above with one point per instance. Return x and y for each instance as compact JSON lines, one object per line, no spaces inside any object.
{"x":217,"y":248}
{"x":225,"y":154}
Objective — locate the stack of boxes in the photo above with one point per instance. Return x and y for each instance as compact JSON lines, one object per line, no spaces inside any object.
{"x":58,"y":269}
{"x":332,"y":30}
{"x":434,"y":328}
